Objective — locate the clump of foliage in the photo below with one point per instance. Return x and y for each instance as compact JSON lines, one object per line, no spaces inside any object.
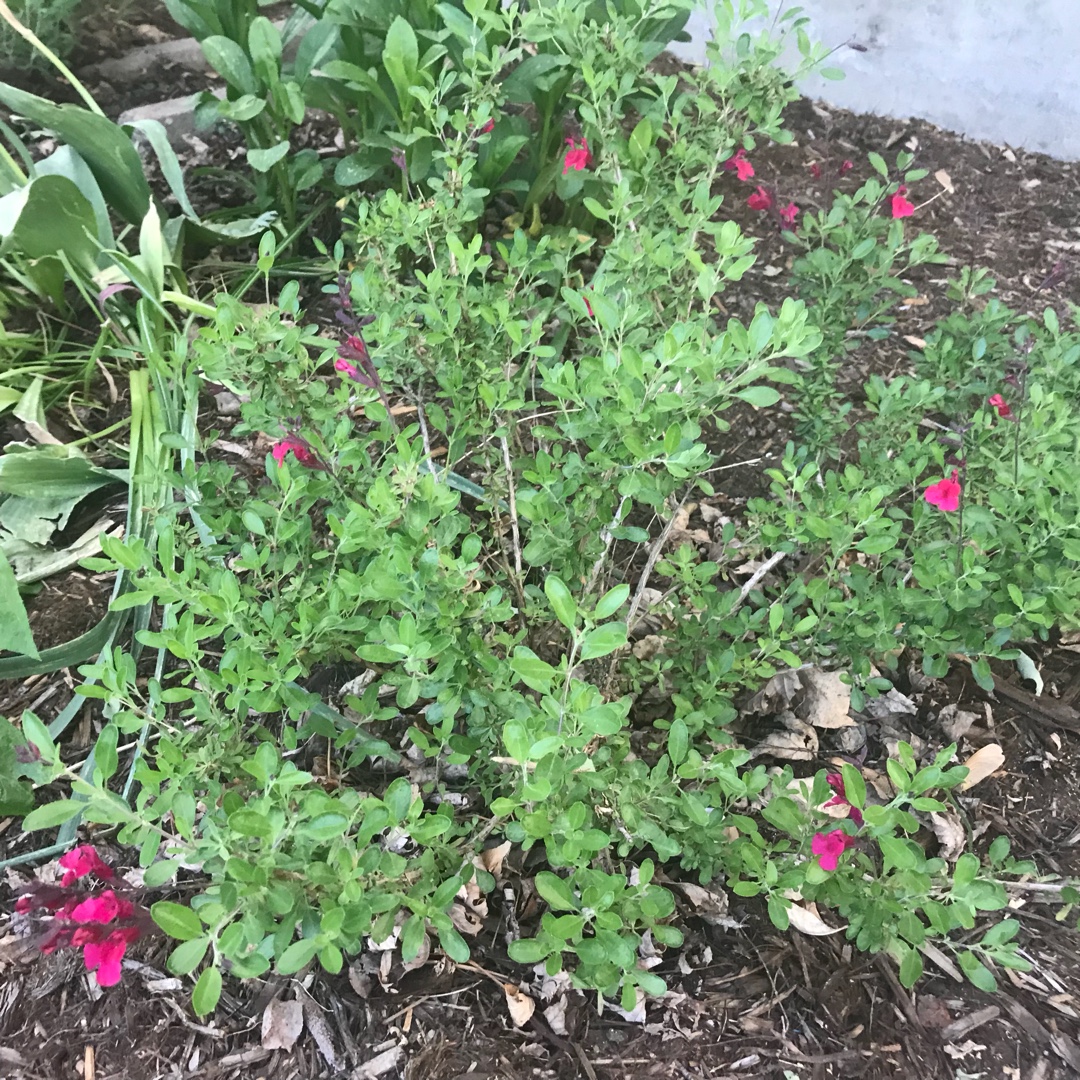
{"x":467,"y":489}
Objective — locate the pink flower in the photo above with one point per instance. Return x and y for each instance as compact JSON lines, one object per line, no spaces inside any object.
{"x":1001,"y":405}
{"x":788,"y":215}
{"x":762,"y":199}
{"x":815,"y":170}
{"x":300,"y":449}
{"x":739,"y":165}
{"x":846,"y":167}
{"x":577,"y":157}
{"x":829,"y":846}
{"x":900,"y":206}
{"x":836,"y":782}
{"x":363,"y":371}
{"x":945,"y":494}
{"x":488,"y":127}
{"x":102,"y":909}
{"x":106,"y":955}
{"x":81,"y":861}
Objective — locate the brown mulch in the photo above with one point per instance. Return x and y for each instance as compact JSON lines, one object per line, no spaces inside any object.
{"x":745,"y":1000}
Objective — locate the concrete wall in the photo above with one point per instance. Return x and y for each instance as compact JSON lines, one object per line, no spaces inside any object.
{"x":1003,"y":70}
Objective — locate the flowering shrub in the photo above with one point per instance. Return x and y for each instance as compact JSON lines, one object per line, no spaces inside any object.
{"x":467,"y":487}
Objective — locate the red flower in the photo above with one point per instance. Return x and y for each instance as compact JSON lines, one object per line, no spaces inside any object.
{"x":846,"y":167}
{"x":762,"y":199}
{"x":106,"y":955}
{"x":1001,"y":405}
{"x":815,"y":170}
{"x":739,"y":165}
{"x":577,"y":157}
{"x":829,"y":846}
{"x":945,"y":494}
{"x":901,"y":207}
{"x":81,"y":861}
{"x":300,"y":449}
{"x":488,"y":127}
{"x":836,"y":782}
{"x":102,"y":909}
{"x":788,"y":215}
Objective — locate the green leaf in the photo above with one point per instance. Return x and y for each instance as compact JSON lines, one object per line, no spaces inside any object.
{"x":18,"y":637}
{"x":678,"y":742}
{"x":297,"y":955}
{"x":155,"y":134}
{"x":398,"y":799}
{"x":454,"y":945}
{"x":185,"y":958}
{"x":176,"y":920}
{"x":51,"y":814}
{"x":562,"y":603}
{"x":527,"y":951}
{"x":911,"y":968}
{"x":778,"y":912}
{"x":264,"y":49}
{"x":641,"y":140}
{"x":878,"y":163}
{"x":251,"y":823}
{"x":229,"y":60}
{"x":761,"y":397}
{"x":207,"y":992}
{"x":401,"y":57}
{"x":55,"y":217}
{"x":611,"y":601}
{"x":556,"y":891}
{"x":264,"y":160}
{"x":896,"y":852}
{"x":535,"y":673}
{"x":103,"y":145}
{"x":978,"y":974}
{"x":854,"y":785}
{"x":603,"y":640}
{"x":158,"y":873}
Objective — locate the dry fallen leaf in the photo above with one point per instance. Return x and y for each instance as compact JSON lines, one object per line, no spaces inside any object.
{"x":520,"y":1005}
{"x":982,"y":763}
{"x":555,"y":1015}
{"x":945,"y":180}
{"x":950,"y":835}
{"x":915,"y":342}
{"x":710,"y":904}
{"x":827,"y":699}
{"x":491,"y":859}
{"x":282,"y":1023}
{"x":808,"y":921}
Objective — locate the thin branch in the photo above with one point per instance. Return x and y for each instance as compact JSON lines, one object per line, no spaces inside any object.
{"x":605,"y":535}
{"x":654,"y":555}
{"x":513,"y":506}
{"x":759,"y":573}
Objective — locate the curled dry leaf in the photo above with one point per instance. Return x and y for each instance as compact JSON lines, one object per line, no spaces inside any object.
{"x":945,"y":180}
{"x":986,"y":760}
{"x":555,"y":1015}
{"x":282,"y":1024}
{"x":469,"y":909}
{"x":798,"y":743}
{"x":950,"y":834}
{"x":955,"y":722}
{"x":491,"y":859}
{"x":519,"y":1004}
{"x":807,"y":921}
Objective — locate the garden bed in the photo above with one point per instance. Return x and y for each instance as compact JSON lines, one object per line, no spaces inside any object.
{"x":744,"y":1000}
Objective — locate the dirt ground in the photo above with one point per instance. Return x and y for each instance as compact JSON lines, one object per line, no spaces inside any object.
{"x":745,"y":1001}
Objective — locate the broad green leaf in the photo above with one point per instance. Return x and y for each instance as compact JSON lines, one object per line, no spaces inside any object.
{"x":297,"y":955}
{"x":562,"y":603}
{"x":556,"y":891}
{"x":760,"y":397}
{"x":152,"y":256}
{"x":51,"y":814}
{"x":911,"y":968}
{"x":603,"y":640}
{"x":56,"y":217}
{"x":611,"y":601}
{"x":18,"y":637}
{"x":228,"y":59}
{"x":186,"y":957}
{"x":264,"y":160}
{"x":454,"y":945}
{"x":251,"y":823}
{"x":65,"y":161}
{"x":400,"y":56}
{"x":678,"y":742}
{"x":176,"y":920}
{"x":53,"y":472}
{"x":264,"y":49}
{"x":156,"y":135}
{"x":207,"y":992}
{"x":103,"y":145}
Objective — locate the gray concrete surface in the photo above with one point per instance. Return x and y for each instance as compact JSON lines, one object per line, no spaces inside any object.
{"x":1003,"y":70}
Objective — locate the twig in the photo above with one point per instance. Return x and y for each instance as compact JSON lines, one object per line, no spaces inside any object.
{"x":654,"y":555}
{"x":758,"y":574}
{"x":605,"y":535}
{"x":513,"y":507}
{"x":427,"y":441}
